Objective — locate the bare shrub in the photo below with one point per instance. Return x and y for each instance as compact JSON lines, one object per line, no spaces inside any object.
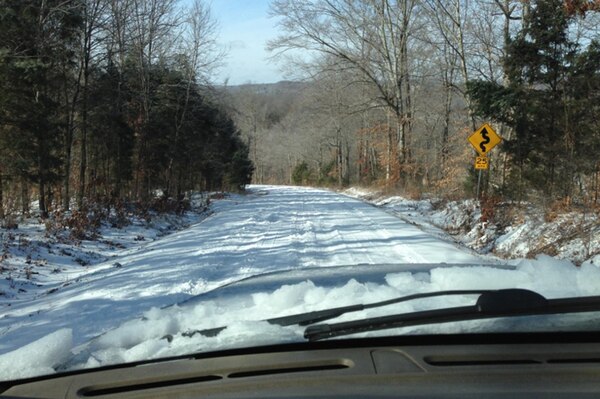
{"x":557,"y":208}
{"x":489,"y":205}
{"x":9,"y":222}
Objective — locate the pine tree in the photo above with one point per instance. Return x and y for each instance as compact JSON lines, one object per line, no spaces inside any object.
{"x":35,"y":39}
{"x":543,"y":102}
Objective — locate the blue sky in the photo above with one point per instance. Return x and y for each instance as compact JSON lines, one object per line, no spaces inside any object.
{"x":244,"y":29}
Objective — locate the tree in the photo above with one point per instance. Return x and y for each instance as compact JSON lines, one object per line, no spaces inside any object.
{"x":544,"y":102}
{"x":369,"y":37}
{"x":117,"y":89}
{"x":93,"y":17}
{"x":152,"y":25}
{"x":111,"y":136}
{"x":199,"y":56}
{"x":240,"y":167}
{"x":37,"y":40}
{"x":302,"y":174}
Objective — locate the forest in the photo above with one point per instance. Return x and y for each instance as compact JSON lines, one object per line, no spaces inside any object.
{"x":388,"y":91}
{"x":109,"y":101}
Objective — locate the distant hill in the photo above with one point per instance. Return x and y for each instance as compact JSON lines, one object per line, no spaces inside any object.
{"x":283,"y":87}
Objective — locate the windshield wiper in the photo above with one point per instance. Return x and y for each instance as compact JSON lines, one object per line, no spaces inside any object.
{"x":305,"y":319}
{"x":490,"y":304}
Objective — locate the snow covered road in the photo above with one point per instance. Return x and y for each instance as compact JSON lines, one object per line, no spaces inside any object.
{"x":269,"y":229}
{"x":124,"y":302}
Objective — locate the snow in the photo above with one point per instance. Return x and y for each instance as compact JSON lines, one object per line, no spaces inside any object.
{"x":518,"y":230}
{"x":111,"y":314}
{"x":37,"y":358}
{"x":144,"y":338}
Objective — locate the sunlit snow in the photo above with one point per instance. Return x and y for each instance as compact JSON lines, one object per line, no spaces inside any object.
{"x":118,"y":314}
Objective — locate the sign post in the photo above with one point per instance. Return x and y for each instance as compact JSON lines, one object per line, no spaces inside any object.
{"x":483,"y":140}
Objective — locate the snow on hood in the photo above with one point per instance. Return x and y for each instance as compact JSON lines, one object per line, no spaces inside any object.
{"x":37,"y":358}
{"x":242,"y":306}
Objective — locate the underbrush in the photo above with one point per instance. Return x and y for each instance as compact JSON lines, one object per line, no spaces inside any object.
{"x":40,"y":256}
{"x":84,"y":223}
{"x":511,"y":229}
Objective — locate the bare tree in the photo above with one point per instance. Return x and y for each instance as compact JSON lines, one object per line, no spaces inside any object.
{"x":199,"y":42}
{"x":369,"y":37}
{"x":117,"y":32}
{"x":199,"y":55}
{"x":93,"y":13}
{"x":251,"y":112}
{"x":330,"y":103}
{"x":152,"y":24}
{"x":450,"y":18}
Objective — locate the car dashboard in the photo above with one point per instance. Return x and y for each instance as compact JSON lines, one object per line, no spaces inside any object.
{"x":452,"y":366}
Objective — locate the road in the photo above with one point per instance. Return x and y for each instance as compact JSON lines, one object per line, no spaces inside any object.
{"x":121,"y":314}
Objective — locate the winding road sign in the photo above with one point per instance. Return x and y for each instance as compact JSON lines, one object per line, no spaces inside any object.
{"x":484,"y":139}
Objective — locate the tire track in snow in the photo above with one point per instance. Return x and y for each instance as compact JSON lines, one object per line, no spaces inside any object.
{"x":412,"y":257}
{"x":401,"y":249}
{"x":365,"y":255}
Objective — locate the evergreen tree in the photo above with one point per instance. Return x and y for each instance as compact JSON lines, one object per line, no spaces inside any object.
{"x":133,"y":136}
{"x":111,"y":136}
{"x":240,"y":167}
{"x":35,"y":39}
{"x":542,"y":101}
{"x":584,"y":106}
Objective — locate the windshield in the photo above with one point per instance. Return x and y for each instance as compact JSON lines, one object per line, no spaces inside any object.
{"x":176,"y":176}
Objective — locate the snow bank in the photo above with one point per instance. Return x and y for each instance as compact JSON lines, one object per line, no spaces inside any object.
{"x":516,"y":231}
{"x":170,"y":331}
{"x":38,"y":358}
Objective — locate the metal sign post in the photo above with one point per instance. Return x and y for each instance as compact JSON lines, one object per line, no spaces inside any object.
{"x":478,"y":183}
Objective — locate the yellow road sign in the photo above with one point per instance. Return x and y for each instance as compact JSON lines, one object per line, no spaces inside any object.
{"x":484,"y":139}
{"x":482,"y":163}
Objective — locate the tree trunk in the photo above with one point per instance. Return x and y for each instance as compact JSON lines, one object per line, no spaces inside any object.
{"x":69,"y":139}
{"x":66,"y":183}
{"x":84,"y":128}
{"x":24,"y":197}
{"x":1,"y":197}
{"x":404,"y":100}
{"x":41,"y":171}
{"x":597,"y":183}
{"x":446,"y":128}
{"x":390,"y":152}
{"x":42,"y":198}
{"x":347,"y":162}
{"x":505,"y":159}
{"x":340,"y":162}
{"x":83,"y":165}
{"x":117,"y":188}
{"x":463,"y":62}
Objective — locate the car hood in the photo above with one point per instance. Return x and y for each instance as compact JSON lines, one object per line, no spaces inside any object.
{"x":243,"y":307}
{"x":335,"y":276}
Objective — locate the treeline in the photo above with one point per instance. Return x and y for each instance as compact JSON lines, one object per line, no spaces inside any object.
{"x":394,"y":88}
{"x":108,"y":100}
